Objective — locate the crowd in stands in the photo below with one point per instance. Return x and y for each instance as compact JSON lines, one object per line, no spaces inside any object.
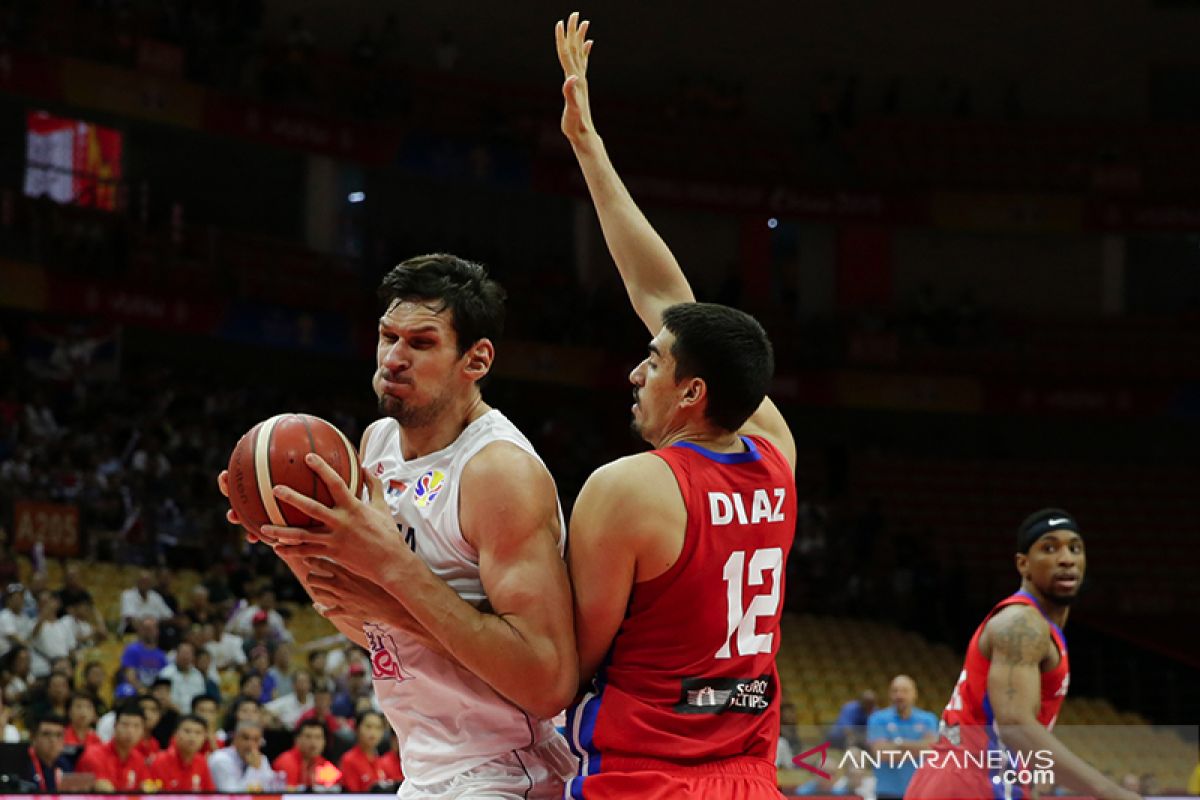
{"x":204,"y":690}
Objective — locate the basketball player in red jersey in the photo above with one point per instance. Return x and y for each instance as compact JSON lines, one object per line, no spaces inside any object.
{"x":1014,"y":681}
{"x":677,"y":555}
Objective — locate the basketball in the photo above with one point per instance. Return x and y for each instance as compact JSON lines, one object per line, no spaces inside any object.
{"x":272,"y":454}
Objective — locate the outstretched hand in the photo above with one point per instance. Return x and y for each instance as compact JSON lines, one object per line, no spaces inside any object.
{"x":573,"y":50}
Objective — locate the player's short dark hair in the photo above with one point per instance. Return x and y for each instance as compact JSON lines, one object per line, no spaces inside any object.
{"x":49,"y":719}
{"x":475,"y":300}
{"x":191,"y":718}
{"x":727,"y":349}
{"x":312,"y":722}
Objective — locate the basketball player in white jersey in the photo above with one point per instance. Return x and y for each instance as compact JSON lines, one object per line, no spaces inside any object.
{"x":451,"y":573}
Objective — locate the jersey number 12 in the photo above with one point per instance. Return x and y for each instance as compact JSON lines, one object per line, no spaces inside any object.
{"x":743,"y":622}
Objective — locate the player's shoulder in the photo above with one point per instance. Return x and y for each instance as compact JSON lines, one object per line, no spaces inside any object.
{"x":633,"y":478}
{"x":1017,"y":630}
{"x":504,"y":469}
{"x":370,"y":431}
{"x":1017,"y":617}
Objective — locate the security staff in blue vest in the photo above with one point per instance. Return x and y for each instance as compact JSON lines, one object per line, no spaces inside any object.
{"x":897,"y":734}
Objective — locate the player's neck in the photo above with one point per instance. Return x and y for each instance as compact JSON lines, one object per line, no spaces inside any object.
{"x":1055,"y":612}
{"x":443,"y":431}
{"x":716,"y":441}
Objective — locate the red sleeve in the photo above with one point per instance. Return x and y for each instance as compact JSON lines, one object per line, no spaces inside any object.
{"x":286,"y":764}
{"x":351,"y":773}
{"x":206,"y":781}
{"x":93,"y":761}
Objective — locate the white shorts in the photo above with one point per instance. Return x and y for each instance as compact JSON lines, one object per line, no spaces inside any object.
{"x":535,"y":773}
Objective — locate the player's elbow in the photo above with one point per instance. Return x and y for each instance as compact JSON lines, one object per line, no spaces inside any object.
{"x":555,"y":688}
{"x":1013,"y":723}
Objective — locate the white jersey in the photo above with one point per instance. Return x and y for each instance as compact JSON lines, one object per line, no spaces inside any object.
{"x":448,"y":720}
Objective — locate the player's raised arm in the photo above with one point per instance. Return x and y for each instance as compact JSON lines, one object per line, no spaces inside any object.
{"x":1020,"y":640}
{"x":651,"y":274}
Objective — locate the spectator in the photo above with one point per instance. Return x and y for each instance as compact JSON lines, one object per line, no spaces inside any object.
{"x":245,"y":622}
{"x":183,"y":767}
{"x":51,"y":636}
{"x":349,"y":701}
{"x":206,"y":708}
{"x":303,"y":767}
{"x":186,"y":681}
{"x":93,"y":683}
{"x":216,"y":581}
{"x":260,"y":637}
{"x":15,"y":627}
{"x":168,"y":720}
{"x":162,"y":585}
{"x":17,"y":675}
{"x":142,"y":601}
{"x":902,"y":728}
{"x":81,"y":719}
{"x":317,"y":664}
{"x":287,"y":709}
{"x":322,"y":712}
{"x":243,"y":708}
{"x":279,"y":674}
{"x":117,"y":765}
{"x":362,"y":766}
{"x":153,"y":712}
{"x":142,"y":660}
{"x":8,"y":732}
{"x":212,"y":679}
{"x":851,"y":726}
{"x":789,"y":737}
{"x":260,"y":665}
{"x":226,"y":648}
{"x":390,"y":762}
{"x":45,"y":762}
{"x":242,"y":767}
{"x":52,"y":700}
{"x":73,"y":590}
{"x":201,"y":611}
{"x":86,"y":625}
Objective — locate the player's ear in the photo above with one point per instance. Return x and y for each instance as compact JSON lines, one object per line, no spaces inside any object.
{"x":694,"y":392}
{"x":1022,"y":562}
{"x":478,"y":359}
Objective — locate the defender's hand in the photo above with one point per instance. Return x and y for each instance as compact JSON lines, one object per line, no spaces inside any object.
{"x":573,"y":50}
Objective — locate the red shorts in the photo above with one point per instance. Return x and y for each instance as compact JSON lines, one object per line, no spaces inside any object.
{"x":951,"y":784}
{"x":734,"y":779}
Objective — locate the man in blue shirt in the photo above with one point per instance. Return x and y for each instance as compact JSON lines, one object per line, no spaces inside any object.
{"x":850,"y":729}
{"x":142,"y":660}
{"x":898,"y":734}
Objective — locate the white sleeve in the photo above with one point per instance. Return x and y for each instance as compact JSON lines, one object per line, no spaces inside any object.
{"x":128,"y":603}
{"x":224,"y":774}
{"x":161,"y":609}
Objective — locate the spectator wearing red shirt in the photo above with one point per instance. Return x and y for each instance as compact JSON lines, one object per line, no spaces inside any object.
{"x":81,"y":731}
{"x":362,"y":766}
{"x":390,"y":762}
{"x":322,"y":712}
{"x":182,"y":768}
{"x":118,"y":766}
{"x":303,"y":766}
{"x":150,"y":747}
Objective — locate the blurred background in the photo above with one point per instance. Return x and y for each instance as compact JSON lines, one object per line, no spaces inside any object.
{"x":973,"y":232}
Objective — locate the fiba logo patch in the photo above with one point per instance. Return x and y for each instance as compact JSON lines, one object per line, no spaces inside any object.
{"x":428,"y":487}
{"x":385,"y":660}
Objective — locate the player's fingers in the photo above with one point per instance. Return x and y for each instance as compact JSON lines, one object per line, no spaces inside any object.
{"x":569,"y":90}
{"x":232,"y":517}
{"x":572,"y":24}
{"x":582,"y":32}
{"x":314,"y":509}
{"x":329,"y":476}
{"x":587,"y":51}
{"x":223,"y":482}
{"x":299,"y":550}
{"x":375,"y":493}
{"x":285,"y":535}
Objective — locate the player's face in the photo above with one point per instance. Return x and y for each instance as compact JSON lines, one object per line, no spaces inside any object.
{"x":310,"y":741}
{"x":1055,"y":565}
{"x":129,"y":730}
{"x":655,"y":390}
{"x":189,"y":738}
{"x":416,"y":362}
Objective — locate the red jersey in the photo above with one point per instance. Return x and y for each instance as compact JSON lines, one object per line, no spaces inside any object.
{"x":127,"y":774}
{"x":318,"y":772}
{"x":172,"y":775}
{"x":361,"y":771}
{"x":70,"y":738}
{"x":390,"y":762}
{"x":968,"y":724}
{"x":691,"y":676}
{"x":149,"y":747}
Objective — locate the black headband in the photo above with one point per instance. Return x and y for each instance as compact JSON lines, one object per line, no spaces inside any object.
{"x":1042,"y":522}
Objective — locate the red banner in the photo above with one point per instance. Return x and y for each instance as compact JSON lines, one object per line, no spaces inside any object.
{"x":55,"y":526}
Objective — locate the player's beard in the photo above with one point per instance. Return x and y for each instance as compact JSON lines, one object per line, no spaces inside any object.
{"x":1063,"y":600}
{"x":410,"y":415}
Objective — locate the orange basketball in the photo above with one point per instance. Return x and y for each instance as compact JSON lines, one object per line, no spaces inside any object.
{"x":272,"y":454}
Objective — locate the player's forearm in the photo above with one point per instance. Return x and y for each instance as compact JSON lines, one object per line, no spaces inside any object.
{"x":525,"y":668}
{"x":650,"y":272}
{"x":1030,"y":737}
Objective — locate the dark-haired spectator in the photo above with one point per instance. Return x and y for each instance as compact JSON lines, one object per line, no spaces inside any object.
{"x":260,"y":664}
{"x":46,"y":763}
{"x":212,"y":678}
{"x":15,"y":627}
{"x":390,"y":762}
{"x":226,"y":648}
{"x":73,"y":590}
{"x":242,"y":767}
{"x":246,"y":622}
{"x":51,"y":699}
{"x":86,"y":625}
{"x":200,"y":609}
{"x":52,"y":637}
{"x":117,"y":765}
{"x":185,"y":679}
{"x":152,"y":712}
{"x":362,"y":767}
{"x":208,"y":709}
{"x":93,"y":684}
{"x":280,"y":672}
{"x":81,"y":722}
{"x":260,"y":637}
{"x":162,"y":585}
{"x":288,"y":708}
{"x":850,"y":728}
{"x":182,"y":767}
{"x":168,"y":718}
{"x":8,"y":732}
{"x":322,"y":712}
{"x":347,"y":702}
{"x":303,"y":766}
{"x":142,"y":660}
{"x":17,"y":674}
{"x":141,"y":601}
{"x":242,"y":708}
